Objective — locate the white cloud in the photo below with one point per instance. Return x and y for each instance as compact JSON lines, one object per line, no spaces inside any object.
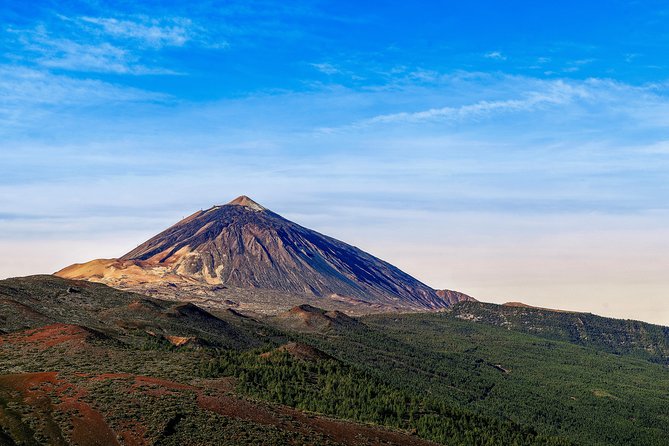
{"x":326,"y":68}
{"x":496,"y":55}
{"x":481,"y":99}
{"x":151,"y":32}
{"x":29,"y":96}
{"x":19,"y":85}
{"x":551,"y":93}
{"x":108,"y":44}
{"x":462,"y":112}
{"x":70,"y":54}
{"x":582,"y":61}
{"x":576,"y":65}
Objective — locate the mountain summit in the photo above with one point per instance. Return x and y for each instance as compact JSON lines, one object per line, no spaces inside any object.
{"x":244,"y":245}
{"x":245,"y":201}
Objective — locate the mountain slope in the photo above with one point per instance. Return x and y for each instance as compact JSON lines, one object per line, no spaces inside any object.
{"x":453,"y":297}
{"x":244,"y":245}
{"x":582,"y":393}
{"x":618,"y":336}
{"x":36,"y":301}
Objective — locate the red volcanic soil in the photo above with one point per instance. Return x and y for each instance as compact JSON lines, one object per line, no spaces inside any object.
{"x":89,"y":428}
{"x":358,"y":434}
{"x":235,"y":407}
{"x":340,"y":431}
{"x":49,"y":336}
{"x":67,"y":412}
{"x":48,"y":394}
{"x":105,"y":376}
{"x":37,"y":389}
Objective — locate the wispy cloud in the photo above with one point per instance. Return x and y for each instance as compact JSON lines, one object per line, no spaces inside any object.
{"x":126,"y":45}
{"x":582,"y":61}
{"x":475,"y":110}
{"x":151,"y":32}
{"x":19,"y":85}
{"x":496,"y":55}
{"x":29,"y":95}
{"x":576,"y":65}
{"x":42,"y":47}
{"x":491,"y":99}
{"x":326,"y":68}
{"x":545,"y":94}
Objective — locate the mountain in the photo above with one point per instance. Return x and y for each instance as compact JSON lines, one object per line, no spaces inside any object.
{"x":245,"y":246}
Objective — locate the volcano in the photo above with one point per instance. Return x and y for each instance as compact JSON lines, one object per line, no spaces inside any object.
{"x":244,"y":245}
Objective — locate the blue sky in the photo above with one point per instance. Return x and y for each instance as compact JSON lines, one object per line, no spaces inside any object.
{"x":512,"y":150}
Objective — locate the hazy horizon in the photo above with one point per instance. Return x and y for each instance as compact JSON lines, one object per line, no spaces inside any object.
{"x":441,"y":139}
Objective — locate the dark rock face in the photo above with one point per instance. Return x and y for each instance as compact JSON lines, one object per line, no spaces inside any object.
{"x":245,"y":245}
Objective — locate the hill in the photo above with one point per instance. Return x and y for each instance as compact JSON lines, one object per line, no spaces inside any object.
{"x":621,"y":337}
{"x":36,"y":301}
{"x":305,"y":318}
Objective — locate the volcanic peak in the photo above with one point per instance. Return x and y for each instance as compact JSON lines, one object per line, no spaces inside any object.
{"x":245,"y":246}
{"x":247,"y":202}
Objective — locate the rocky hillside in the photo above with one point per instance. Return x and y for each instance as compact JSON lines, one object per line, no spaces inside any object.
{"x":36,"y":301}
{"x":453,"y":297}
{"x":618,"y":336}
